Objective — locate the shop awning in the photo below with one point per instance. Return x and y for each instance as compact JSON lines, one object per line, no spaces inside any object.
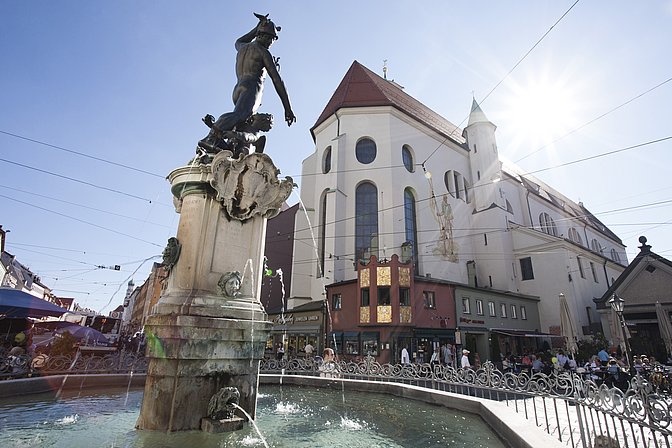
{"x":524,"y":333}
{"x":15,"y":303}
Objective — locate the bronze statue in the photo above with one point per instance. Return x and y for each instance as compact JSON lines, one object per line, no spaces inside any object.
{"x":252,"y":63}
{"x":245,"y":138}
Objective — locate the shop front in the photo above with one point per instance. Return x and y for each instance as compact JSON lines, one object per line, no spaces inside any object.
{"x":296,"y":329}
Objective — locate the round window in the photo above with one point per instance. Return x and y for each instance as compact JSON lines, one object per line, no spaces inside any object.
{"x":365,"y":150}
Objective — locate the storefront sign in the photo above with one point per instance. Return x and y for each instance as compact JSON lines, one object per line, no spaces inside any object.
{"x":290,"y":319}
{"x":465,"y":320}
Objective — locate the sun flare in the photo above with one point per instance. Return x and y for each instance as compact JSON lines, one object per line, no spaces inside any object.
{"x":541,"y":110}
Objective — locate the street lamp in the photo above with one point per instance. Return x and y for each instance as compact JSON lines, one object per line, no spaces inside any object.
{"x":618,"y":305}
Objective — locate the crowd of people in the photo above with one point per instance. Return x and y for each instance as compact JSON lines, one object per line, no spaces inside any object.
{"x":30,"y":349}
{"x":611,"y":368}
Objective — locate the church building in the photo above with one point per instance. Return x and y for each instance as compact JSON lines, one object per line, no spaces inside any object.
{"x":424,"y":237}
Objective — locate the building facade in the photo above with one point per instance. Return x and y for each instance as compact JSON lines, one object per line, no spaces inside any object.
{"x":647,"y":280}
{"x":390,"y":177}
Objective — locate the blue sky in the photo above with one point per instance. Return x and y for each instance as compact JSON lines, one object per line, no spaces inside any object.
{"x":128,"y":82}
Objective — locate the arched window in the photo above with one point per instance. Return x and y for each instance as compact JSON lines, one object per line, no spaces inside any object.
{"x":366,"y":221}
{"x":547,"y":224}
{"x":407,"y":158}
{"x":615,"y":256}
{"x":326,"y":160}
{"x":323,"y":234}
{"x":595,"y":246}
{"x":574,"y":236}
{"x":411,"y":226}
{"x":365,"y":150}
{"x":455,"y":184}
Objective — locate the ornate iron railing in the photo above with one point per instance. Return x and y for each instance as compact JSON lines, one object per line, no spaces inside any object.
{"x":24,"y":366}
{"x":579,"y":411}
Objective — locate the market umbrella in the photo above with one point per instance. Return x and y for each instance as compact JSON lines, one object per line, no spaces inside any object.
{"x":664,"y":326}
{"x":567,"y":327}
{"x":86,"y":334}
{"x":16,"y":303}
{"x":616,"y":330}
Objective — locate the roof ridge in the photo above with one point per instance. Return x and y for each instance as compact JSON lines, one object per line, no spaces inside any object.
{"x":361,"y":87}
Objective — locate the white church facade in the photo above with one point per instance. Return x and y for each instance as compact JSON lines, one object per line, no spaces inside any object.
{"x":391,"y":177}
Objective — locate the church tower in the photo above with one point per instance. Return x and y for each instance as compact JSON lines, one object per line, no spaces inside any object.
{"x":483,"y":157}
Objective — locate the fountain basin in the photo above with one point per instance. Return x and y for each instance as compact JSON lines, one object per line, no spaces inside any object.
{"x":303,"y":411}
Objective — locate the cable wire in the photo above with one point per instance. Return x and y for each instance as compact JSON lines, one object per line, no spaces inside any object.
{"x":60,"y":148}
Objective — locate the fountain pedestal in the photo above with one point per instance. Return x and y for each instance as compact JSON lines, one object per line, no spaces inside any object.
{"x":209,"y":329}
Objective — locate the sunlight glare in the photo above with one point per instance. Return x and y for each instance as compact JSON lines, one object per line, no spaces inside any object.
{"x":541,"y":110}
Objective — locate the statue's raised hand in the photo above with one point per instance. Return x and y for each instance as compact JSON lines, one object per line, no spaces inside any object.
{"x":289,"y":117}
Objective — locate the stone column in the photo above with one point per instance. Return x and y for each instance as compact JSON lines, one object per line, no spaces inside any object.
{"x":200,"y":337}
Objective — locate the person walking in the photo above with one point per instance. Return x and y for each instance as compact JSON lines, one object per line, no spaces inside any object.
{"x":280,"y":353}
{"x":464,"y":362}
{"x":405,"y":359}
{"x":308,"y":349}
{"x":447,"y":354}
{"x":435,"y":359}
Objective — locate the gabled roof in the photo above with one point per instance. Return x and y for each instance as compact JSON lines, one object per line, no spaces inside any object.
{"x":361,"y":87}
{"x":644,"y":256}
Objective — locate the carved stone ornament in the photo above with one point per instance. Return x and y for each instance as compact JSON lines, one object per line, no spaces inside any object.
{"x":229,"y":284}
{"x":222,"y":404}
{"x":249,"y":186}
{"x":171,"y":253}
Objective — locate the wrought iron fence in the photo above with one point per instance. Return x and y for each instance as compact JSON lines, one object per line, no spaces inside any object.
{"x":577,"y":410}
{"x":23,"y":366}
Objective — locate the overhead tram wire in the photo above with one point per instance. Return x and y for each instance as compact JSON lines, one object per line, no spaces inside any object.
{"x":599,"y":155}
{"x":505,"y":76}
{"x":75,"y":180}
{"x":522,"y":174}
{"x":594,"y":120}
{"x":123,"y":283}
{"x":82,"y":221}
{"x":99,"y":159}
{"x":85,"y":206}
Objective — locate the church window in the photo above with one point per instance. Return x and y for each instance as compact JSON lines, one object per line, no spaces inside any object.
{"x":407,"y":158}
{"x":366,"y":221}
{"x":365,"y":150}
{"x":410,"y":225}
{"x":547,"y":224}
{"x":326,"y":160}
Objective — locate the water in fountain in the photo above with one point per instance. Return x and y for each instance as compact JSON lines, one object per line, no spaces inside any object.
{"x":301,"y":417}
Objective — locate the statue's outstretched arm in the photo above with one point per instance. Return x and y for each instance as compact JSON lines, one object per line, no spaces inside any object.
{"x":279,"y":87}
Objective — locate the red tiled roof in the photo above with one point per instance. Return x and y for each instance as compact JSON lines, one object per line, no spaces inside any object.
{"x":361,"y":87}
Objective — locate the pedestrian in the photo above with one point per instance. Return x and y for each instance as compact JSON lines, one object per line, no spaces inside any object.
{"x":328,"y":367}
{"x":405,"y":359}
{"x":309,"y":350}
{"x":280,"y":353}
{"x":464,"y":362}
{"x":447,"y":355}
{"x":435,"y":359}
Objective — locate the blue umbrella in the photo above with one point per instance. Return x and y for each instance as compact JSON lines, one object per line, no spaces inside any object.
{"x":15,"y":303}
{"x":86,"y":334}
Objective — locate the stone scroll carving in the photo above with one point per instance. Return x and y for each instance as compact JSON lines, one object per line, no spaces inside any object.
{"x":249,"y":186}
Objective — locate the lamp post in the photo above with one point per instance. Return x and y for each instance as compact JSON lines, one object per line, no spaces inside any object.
{"x":618,"y":305}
